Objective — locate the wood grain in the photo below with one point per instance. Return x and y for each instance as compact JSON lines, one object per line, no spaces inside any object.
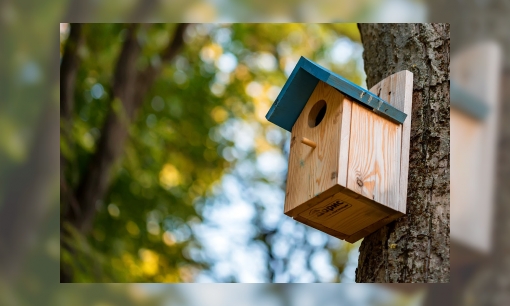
{"x":344,"y":214}
{"x":397,"y":90}
{"x":373,"y":227}
{"x":314,"y":170}
{"x":350,"y":184}
{"x":374,"y":157}
{"x":361,"y":218}
{"x":345,"y":135}
{"x":321,"y":228}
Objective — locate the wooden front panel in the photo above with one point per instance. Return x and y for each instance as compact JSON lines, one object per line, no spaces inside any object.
{"x":314,"y":170}
{"x":374,"y":157}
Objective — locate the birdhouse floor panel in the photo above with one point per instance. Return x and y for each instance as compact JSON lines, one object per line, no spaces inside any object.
{"x":314,"y":201}
{"x":345,"y":214}
{"x":354,"y":237}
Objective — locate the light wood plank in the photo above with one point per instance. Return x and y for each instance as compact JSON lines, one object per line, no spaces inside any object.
{"x":373,"y":227}
{"x":314,"y":201}
{"x":355,"y":214}
{"x":397,"y":90}
{"x":343,"y":214}
{"x":345,"y":135}
{"x":374,"y":157}
{"x":321,"y":228}
{"x":314,"y":170}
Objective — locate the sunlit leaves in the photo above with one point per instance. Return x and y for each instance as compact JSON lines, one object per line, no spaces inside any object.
{"x":169,"y":176}
{"x":202,"y":166}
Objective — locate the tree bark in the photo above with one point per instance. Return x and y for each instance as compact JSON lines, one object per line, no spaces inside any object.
{"x":422,"y":236}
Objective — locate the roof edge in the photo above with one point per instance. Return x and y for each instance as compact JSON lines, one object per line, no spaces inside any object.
{"x":299,"y":86}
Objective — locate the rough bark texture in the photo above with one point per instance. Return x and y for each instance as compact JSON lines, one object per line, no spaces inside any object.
{"x":416,"y":247}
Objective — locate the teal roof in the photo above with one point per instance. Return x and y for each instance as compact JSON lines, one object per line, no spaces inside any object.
{"x":302,"y":81}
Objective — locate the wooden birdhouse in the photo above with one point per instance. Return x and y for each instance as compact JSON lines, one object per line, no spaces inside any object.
{"x":349,"y":150}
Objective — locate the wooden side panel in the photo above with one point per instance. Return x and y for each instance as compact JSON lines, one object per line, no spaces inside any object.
{"x":314,"y":170}
{"x":345,"y":135}
{"x":397,"y":90}
{"x":374,"y":157}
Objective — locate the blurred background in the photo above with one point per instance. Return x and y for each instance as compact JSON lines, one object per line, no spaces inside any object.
{"x":29,"y":148}
{"x":195,"y":192}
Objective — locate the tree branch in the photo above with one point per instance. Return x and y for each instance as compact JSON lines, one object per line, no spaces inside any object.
{"x":147,"y":77}
{"x":176,"y":44}
{"x":68,"y":70}
{"x":129,"y":90}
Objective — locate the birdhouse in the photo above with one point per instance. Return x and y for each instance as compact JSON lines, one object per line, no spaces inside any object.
{"x":349,"y":149}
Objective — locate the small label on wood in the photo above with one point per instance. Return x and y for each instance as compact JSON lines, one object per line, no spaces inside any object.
{"x":344,"y":214}
{"x":327,"y":211}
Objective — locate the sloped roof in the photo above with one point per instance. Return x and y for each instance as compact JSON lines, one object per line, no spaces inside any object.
{"x":297,"y":90}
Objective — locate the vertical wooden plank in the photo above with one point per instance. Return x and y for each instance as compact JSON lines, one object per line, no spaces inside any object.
{"x":374,"y":157}
{"x":314,"y":170}
{"x":345,"y":133}
{"x":404,"y":93}
{"x":397,"y":90}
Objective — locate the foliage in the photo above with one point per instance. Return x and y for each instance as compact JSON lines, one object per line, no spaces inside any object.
{"x":199,"y":138}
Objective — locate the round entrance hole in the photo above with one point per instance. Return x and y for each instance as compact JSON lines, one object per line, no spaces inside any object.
{"x":317,"y":113}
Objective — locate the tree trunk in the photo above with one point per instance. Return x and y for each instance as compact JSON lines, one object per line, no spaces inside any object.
{"x":69,"y":69}
{"x":129,"y":89}
{"x":420,"y":240}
